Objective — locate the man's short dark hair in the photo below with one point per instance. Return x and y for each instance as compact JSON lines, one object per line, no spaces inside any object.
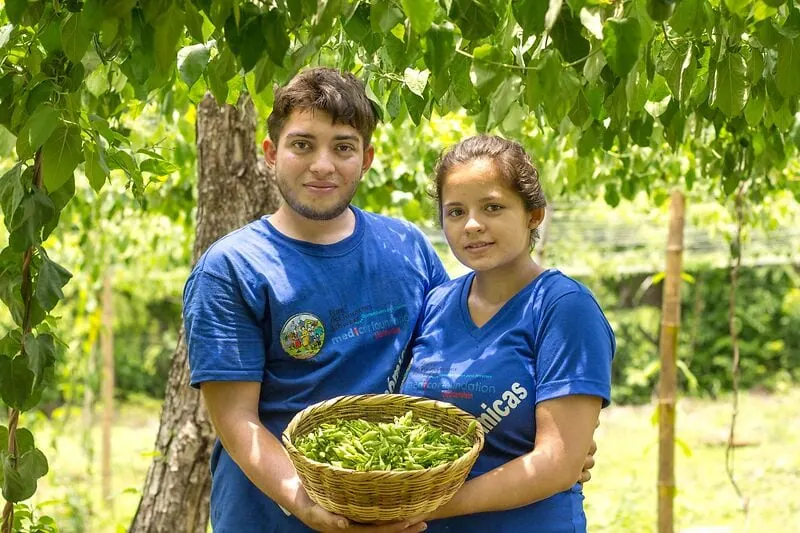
{"x":340,"y":94}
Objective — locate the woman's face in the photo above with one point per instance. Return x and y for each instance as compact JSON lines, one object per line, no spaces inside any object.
{"x":485,"y":222}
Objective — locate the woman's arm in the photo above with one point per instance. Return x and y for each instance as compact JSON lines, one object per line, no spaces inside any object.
{"x":564,"y":428}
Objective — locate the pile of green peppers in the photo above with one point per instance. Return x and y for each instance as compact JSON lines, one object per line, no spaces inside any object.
{"x":405,"y":444}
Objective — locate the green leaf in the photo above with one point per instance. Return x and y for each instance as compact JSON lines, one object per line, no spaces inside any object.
{"x":502,"y":99}
{"x":251,"y":41}
{"x":688,"y":16}
{"x":327,"y":11}
{"x":616,"y":105}
{"x":192,"y":61}
{"x":383,"y":16}
{"x":420,"y":13}
{"x":529,"y":14}
{"x":755,"y":66}
{"x":754,"y":110}
{"x":60,"y":155}
{"x":95,"y":168}
{"x":681,"y":75}
{"x":557,"y":88}
{"x":19,"y":483}
{"x":730,"y":87}
{"x":476,"y":18}
{"x":612,"y":195}
{"x":40,"y":126}
{"x":51,"y":279}
{"x":568,"y":38}
{"x":416,"y":80}
{"x":787,"y":70}
{"x":41,"y":354}
{"x":440,"y":47}
{"x":621,"y":41}
{"x":393,"y":103}
{"x":11,"y":191}
{"x":167,"y":34}
{"x":34,"y":212}
{"x":740,"y":7}
{"x":15,"y":10}
{"x":276,"y":34}
{"x":74,"y":38}
{"x":60,"y":198}
{"x":463,"y":89}
{"x":159,"y":167}
{"x":637,"y":88}
{"x":16,"y":383}
{"x":194,"y":22}
{"x":263,"y":72}
{"x":11,"y":344}
{"x":415,"y":105}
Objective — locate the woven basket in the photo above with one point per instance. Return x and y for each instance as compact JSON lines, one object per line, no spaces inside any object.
{"x":374,"y":496}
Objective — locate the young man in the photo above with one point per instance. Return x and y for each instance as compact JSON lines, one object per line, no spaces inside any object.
{"x":318,"y":300}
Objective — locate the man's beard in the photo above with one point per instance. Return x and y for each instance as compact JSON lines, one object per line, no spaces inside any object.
{"x":310,"y":212}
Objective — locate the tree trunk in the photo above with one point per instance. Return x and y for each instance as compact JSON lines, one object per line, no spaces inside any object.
{"x":234,"y":187}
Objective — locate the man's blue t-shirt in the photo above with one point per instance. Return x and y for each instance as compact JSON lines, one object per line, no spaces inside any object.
{"x":549,"y":340}
{"x":309,"y":322}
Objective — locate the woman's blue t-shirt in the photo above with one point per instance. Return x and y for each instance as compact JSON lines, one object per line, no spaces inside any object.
{"x":550,"y":340}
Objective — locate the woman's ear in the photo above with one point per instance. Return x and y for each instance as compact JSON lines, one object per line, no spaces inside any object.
{"x":536,"y":218}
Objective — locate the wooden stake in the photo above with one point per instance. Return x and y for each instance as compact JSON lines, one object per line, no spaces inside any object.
{"x":668,"y":349}
{"x":107,"y":347}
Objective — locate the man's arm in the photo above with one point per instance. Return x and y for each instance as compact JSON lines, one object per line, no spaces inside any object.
{"x":233,"y":408}
{"x":564,"y":428}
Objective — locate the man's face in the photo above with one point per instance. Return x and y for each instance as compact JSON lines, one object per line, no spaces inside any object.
{"x":318,"y":164}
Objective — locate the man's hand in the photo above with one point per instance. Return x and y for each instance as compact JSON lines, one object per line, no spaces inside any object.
{"x":319,"y":519}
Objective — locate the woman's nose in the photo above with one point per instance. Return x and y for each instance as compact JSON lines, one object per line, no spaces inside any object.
{"x":473,"y":225}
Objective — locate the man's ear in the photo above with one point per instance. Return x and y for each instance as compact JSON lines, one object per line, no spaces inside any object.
{"x":369,"y":155}
{"x":536,"y":218}
{"x":270,"y":151}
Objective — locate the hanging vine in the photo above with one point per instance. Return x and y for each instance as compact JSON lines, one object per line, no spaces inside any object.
{"x":736,"y":262}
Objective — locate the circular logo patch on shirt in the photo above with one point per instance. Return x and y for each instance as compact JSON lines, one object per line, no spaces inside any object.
{"x":302,"y":336}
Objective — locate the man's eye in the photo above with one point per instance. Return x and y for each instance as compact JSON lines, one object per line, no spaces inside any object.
{"x":345,"y":148}
{"x":300,"y":145}
{"x":454,"y":212}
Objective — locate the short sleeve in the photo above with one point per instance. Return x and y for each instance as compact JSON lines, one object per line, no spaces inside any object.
{"x":225,"y":341}
{"x":574,"y":350}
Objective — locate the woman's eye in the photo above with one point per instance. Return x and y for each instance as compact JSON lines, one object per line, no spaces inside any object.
{"x":493,"y":207}
{"x":454,"y":212}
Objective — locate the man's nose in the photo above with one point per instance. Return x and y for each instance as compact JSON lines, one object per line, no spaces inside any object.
{"x":322,"y":164}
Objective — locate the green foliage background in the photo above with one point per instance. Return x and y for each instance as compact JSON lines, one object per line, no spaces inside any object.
{"x":620,"y":100}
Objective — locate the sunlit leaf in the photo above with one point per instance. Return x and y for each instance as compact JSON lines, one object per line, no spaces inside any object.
{"x":730,"y":88}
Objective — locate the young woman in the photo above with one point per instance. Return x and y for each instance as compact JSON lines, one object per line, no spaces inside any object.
{"x":525,"y":349}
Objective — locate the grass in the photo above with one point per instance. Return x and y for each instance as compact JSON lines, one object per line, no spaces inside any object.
{"x":622,"y":495}
{"x":620,"y":498}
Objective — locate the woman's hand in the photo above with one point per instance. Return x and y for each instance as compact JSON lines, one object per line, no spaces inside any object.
{"x":588,"y":463}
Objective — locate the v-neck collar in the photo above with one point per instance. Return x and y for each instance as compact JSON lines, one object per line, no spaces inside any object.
{"x":479,"y":331}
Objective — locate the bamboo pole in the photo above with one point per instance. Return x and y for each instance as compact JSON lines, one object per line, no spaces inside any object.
{"x":107,"y":348}
{"x":668,"y":349}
